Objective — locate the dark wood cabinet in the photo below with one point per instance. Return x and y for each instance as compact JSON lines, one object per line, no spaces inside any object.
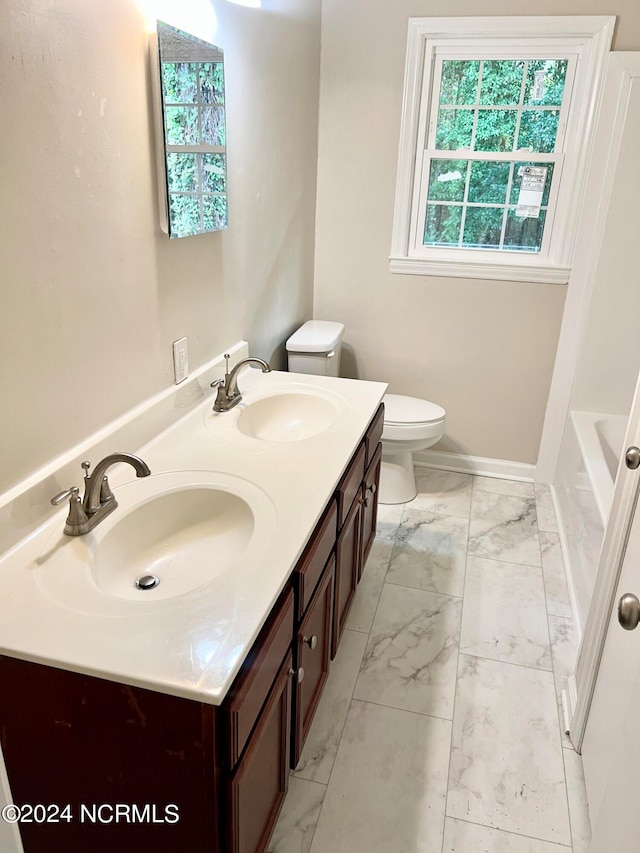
{"x":257,"y":788}
{"x":347,"y":571}
{"x":373,"y":435}
{"x":248,"y":693}
{"x":312,"y":653}
{"x":350,"y":485}
{"x":311,"y":564}
{"x":94,"y":744}
{"x":255,"y":726}
{"x":370,"y":486}
{"x":72,"y":738}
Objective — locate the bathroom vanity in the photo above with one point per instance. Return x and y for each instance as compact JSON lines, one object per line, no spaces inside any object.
{"x":192,"y":748}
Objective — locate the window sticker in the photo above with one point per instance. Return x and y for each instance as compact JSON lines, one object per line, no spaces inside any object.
{"x":538,"y":85}
{"x":534,"y":179}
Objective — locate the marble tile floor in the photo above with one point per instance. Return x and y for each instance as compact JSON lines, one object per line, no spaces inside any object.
{"x":439,"y":730}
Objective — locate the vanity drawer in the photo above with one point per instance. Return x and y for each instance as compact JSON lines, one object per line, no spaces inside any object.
{"x":249,"y":691}
{"x":307,"y":573}
{"x":373,"y":435}
{"x":350,"y":485}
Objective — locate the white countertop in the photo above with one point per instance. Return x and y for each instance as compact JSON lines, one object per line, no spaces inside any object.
{"x":192,"y":645}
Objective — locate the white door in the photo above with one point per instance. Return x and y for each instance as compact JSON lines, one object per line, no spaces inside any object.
{"x":611,"y":743}
{"x":611,"y":747}
{"x":604,"y":724}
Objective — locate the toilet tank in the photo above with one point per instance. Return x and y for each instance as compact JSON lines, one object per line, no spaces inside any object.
{"x":315,"y":348}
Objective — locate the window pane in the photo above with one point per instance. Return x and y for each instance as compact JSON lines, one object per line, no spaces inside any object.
{"x":501,"y":82}
{"x":525,"y":233}
{"x":482,"y":227}
{"x":538,"y":130}
{"x":182,"y":125}
{"x":213,"y":173}
{"x":459,"y":83}
{"x":545,"y":81}
{"x":517,"y":181}
{"x":184,"y":211}
{"x":212,"y":82}
{"x":447,"y":180}
{"x":454,"y":129}
{"x":488,"y":182}
{"x":496,"y":130}
{"x":213,"y":128}
{"x":181,"y":172}
{"x":442,"y":225}
{"x":179,"y":82}
{"x":214,"y":212}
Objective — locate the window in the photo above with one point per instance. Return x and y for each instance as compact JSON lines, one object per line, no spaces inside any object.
{"x":496,"y":129}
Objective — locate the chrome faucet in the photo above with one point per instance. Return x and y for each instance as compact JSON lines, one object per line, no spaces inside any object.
{"x":228,"y":395}
{"x":98,"y":501}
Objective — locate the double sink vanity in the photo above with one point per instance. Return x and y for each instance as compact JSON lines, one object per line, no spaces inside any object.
{"x":167,"y":713}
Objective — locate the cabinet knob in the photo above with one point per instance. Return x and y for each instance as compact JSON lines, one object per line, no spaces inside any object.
{"x":299,"y":674}
{"x":311,"y":641}
{"x":372,"y":488}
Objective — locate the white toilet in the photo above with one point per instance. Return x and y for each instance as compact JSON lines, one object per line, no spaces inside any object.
{"x":410,"y":424}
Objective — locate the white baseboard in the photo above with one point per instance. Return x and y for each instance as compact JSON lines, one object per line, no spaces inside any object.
{"x":501,"y":468}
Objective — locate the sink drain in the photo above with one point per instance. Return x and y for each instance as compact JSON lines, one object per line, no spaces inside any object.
{"x":147,"y":582}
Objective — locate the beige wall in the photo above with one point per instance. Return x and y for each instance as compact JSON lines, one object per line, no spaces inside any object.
{"x":484,"y":350}
{"x":92,"y":294}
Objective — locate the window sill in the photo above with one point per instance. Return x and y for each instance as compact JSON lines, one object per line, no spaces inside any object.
{"x":504,"y":271}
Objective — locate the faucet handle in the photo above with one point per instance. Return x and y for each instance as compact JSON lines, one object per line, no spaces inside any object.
{"x":76,"y":523}
{"x":105,"y":491}
{"x":73,"y":492}
{"x":217,"y":383}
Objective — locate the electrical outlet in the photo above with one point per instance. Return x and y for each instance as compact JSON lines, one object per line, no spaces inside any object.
{"x":180,"y":360}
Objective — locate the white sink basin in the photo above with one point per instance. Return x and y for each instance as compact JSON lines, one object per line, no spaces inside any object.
{"x":185,"y":530}
{"x":287,"y":417}
{"x":280,"y":414}
{"x":184,"y":538}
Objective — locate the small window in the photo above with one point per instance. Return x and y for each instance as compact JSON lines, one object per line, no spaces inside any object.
{"x":494,"y":144}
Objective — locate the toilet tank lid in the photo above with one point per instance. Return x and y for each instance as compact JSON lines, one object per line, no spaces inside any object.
{"x":316,"y":336}
{"x":399,"y":409}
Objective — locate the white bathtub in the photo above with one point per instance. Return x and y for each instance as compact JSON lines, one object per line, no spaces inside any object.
{"x":589,"y":458}
{"x":600,"y":438}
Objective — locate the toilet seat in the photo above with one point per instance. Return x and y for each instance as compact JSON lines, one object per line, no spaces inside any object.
{"x":411,"y":419}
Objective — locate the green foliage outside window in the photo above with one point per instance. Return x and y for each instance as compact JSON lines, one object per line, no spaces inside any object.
{"x":194,"y":115}
{"x":491,"y":106}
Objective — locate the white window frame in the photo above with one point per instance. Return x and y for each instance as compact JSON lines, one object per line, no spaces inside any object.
{"x":588,"y":39}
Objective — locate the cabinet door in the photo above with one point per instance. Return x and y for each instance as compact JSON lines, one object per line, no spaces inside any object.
{"x":347,"y":567}
{"x":370,"y":488}
{"x":350,"y":485}
{"x":241,"y":707}
{"x":373,"y":435}
{"x":313,"y":652}
{"x":311,"y":564}
{"x":257,"y":788}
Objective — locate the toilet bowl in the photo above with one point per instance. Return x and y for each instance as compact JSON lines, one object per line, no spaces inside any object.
{"x":410,"y":424}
